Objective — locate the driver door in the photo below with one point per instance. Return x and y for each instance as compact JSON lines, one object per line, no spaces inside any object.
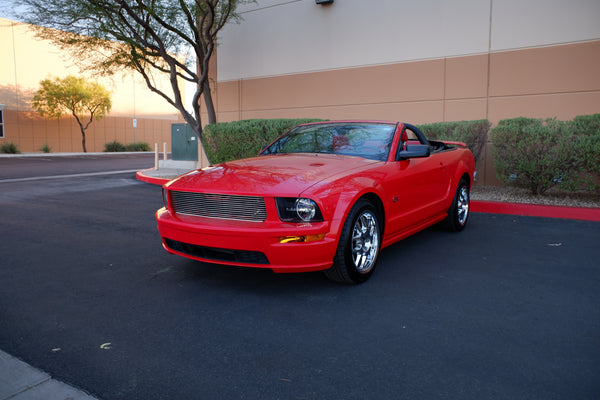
{"x":417,"y":187}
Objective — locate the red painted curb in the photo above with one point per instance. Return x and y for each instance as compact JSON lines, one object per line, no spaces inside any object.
{"x":150,"y":179}
{"x":490,"y":207}
{"x":536,"y":210}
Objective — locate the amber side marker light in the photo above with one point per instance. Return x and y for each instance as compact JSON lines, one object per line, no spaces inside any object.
{"x":301,"y":239}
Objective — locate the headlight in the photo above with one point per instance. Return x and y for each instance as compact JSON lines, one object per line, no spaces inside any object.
{"x":165,"y":195}
{"x":298,"y":210}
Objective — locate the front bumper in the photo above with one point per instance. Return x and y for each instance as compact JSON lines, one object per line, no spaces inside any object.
{"x":247,"y":244}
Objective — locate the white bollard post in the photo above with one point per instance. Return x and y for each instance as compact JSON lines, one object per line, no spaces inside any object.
{"x":156,"y":156}
{"x":165,"y":151}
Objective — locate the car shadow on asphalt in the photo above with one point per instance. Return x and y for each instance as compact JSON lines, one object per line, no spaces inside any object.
{"x":242,"y":277}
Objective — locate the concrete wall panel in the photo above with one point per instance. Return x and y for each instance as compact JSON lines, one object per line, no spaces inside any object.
{"x":466,"y":77}
{"x":289,"y":37}
{"x":464,"y":110}
{"x":563,"y":106}
{"x":557,"y":69}
{"x":531,"y":23}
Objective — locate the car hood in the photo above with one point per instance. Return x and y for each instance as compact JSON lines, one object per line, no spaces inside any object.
{"x":278,"y":175}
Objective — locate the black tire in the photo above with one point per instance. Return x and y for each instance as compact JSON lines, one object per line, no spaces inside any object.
{"x":458,"y":214}
{"x":359,"y":245}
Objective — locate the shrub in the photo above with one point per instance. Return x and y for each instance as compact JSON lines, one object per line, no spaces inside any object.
{"x":9,"y":148}
{"x":587,"y":125}
{"x":472,"y":133}
{"x":227,"y":141}
{"x":586,"y":129}
{"x":46,"y":148}
{"x":536,"y":154}
{"x":138,"y":146}
{"x":114,"y":146}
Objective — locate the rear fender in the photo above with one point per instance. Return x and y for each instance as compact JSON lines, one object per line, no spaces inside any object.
{"x":465,"y":166}
{"x":464,"y":169}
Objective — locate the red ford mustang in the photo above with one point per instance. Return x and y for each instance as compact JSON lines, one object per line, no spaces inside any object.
{"x":324,"y":196}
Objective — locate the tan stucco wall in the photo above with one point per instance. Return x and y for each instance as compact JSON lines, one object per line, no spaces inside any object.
{"x":30,"y":132}
{"x":557,"y":81}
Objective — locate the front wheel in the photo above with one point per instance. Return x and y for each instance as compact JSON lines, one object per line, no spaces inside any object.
{"x":359,"y":245}
{"x":458,"y":214}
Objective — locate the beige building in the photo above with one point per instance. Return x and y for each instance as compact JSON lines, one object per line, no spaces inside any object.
{"x":414,"y":61}
{"x":27,"y":60}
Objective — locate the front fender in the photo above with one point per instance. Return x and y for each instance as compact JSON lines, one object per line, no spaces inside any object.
{"x":336,"y":200}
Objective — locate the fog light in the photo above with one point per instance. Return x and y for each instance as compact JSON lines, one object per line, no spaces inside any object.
{"x":291,"y":239}
{"x":302,"y":239}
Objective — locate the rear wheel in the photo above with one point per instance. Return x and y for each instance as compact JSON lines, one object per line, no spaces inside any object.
{"x":458,"y":214}
{"x":359,"y":245}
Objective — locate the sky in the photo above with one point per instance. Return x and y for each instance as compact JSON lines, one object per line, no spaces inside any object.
{"x":6,"y":9}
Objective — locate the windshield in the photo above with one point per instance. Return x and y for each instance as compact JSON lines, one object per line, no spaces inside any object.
{"x":367,"y":140}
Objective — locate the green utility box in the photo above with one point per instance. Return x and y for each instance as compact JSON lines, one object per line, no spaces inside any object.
{"x":184,"y":143}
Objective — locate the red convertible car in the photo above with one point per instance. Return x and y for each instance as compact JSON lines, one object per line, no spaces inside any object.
{"x":324,"y":196}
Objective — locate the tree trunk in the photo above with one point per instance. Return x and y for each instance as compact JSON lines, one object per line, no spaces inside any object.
{"x":83,"y":140}
{"x":208,"y":101}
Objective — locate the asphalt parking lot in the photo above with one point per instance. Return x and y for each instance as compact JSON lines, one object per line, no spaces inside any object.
{"x":506,"y":309}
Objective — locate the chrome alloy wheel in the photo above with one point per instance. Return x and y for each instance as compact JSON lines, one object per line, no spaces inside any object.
{"x":365,"y":241}
{"x":462,"y":205}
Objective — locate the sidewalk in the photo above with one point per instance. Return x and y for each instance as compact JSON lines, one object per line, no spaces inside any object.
{"x":20,"y":381}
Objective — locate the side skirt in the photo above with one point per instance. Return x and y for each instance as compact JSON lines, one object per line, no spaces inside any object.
{"x":391,"y":239}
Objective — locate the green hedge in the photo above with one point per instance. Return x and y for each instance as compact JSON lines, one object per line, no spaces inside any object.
{"x":530,"y":153}
{"x":587,"y":130}
{"x":138,"y":146}
{"x":540,"y":154}
{"x":115,"y":146}
{"x":226,"y":141}
{"x":472,"y":133}
{"x":240,"y":139}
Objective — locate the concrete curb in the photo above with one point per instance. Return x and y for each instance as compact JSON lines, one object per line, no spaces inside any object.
{"x":536,"y":210}
{"x":144,"y":176}
{"x":21,"y":381}
{"x":106,"y":153}
{"x":489,"y":207}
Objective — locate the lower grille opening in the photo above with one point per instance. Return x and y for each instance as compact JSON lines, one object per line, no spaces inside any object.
{"x":211,"y":253}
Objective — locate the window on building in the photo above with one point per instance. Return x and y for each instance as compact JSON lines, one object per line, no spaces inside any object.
{"x":1,"y":120}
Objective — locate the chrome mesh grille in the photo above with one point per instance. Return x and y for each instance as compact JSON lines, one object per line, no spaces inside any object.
{"x":245,"y":208}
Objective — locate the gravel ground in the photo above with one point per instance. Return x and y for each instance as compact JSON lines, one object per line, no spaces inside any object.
{"x":552,"y":197}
